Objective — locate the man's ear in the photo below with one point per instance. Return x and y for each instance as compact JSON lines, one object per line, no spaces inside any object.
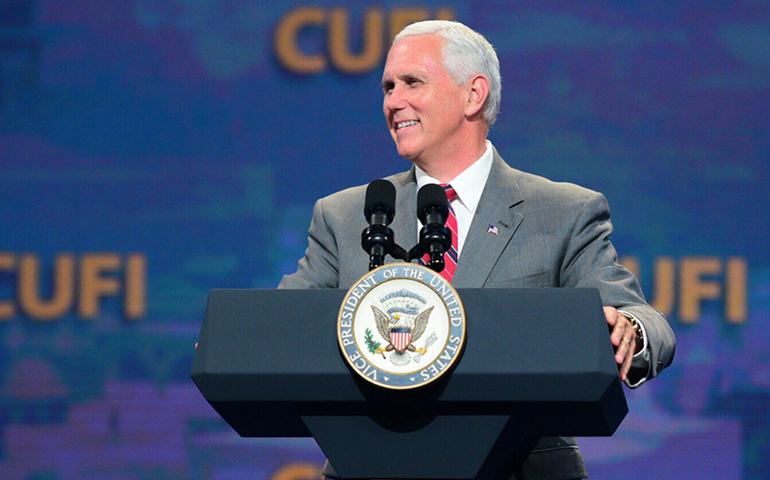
{"x":478,"y":91}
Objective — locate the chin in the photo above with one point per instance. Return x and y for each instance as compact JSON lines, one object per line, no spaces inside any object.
{"x":407,"y":154}
{"x":407,"y":151}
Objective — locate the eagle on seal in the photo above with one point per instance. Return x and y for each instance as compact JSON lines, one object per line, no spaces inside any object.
{"x":399,"y":330}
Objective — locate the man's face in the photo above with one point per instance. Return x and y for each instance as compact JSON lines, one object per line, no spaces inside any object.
{"x":423,"y":105}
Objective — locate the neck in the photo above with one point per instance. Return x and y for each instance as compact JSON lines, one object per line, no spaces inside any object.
{"x":457,"y":156}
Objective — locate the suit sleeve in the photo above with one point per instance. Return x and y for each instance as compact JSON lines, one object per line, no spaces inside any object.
{"x":591,"y":261}
{"x":319,"y":268}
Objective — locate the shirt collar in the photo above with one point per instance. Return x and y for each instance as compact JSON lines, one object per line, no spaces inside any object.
{"x":469,"y":184}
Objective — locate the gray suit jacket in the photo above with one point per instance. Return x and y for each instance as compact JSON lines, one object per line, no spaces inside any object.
{"x":549,"y":235}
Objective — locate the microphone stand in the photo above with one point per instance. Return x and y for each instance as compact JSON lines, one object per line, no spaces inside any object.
{"x":382,"y":236}
{"x":378,"y":238}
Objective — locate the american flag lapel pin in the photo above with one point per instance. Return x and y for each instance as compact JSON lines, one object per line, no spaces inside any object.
{"x":493,"y":229}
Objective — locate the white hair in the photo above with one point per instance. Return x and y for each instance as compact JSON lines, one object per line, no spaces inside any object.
{"x":466,"y":53}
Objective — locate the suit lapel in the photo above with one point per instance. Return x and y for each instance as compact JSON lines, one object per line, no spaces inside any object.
{"x":482,"y":248}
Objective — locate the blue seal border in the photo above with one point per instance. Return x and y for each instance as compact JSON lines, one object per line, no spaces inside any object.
{"x":370,"y":282}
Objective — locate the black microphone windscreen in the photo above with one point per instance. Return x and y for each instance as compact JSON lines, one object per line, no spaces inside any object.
{"x":431,"y":197}
{"x":380,"y":196}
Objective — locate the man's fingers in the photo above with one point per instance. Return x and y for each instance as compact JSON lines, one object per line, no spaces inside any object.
{"x":610,"y":313}
{"x":623,"y":339}
{"x":624,"y":348}
{"x":618,"y":333}
{"x":625,"y":367}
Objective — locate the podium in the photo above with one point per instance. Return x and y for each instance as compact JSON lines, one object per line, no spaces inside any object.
{"x":537,"y":362}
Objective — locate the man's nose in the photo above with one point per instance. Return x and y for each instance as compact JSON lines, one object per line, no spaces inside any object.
{"x":394,"y":100}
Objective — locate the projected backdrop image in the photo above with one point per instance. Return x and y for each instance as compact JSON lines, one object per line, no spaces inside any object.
{"x":155,"y":150}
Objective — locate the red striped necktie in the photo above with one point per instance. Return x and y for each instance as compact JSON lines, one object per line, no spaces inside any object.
{"x":451,"y":255}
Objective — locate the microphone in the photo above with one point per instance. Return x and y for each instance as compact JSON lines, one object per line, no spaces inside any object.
{"x":435,"y":236}
{"x":379,"y":210}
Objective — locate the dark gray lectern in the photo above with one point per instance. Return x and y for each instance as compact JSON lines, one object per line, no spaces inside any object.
{"x":537,"y":362}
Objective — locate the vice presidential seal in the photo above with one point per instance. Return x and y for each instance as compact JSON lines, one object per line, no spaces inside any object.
{"x":401,"y":326}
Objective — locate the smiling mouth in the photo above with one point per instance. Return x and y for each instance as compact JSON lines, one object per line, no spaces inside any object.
{"x":408,"y":123}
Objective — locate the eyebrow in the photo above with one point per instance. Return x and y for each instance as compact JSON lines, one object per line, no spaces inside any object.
{"x":387,"y":82}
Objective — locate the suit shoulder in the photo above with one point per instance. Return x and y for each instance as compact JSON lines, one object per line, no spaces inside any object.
{"x":345,"y":196}
{"x":356,"y":195}
{"x":538,"y":187}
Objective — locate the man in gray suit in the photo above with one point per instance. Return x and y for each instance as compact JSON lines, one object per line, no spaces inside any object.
{"x":441,"y":87}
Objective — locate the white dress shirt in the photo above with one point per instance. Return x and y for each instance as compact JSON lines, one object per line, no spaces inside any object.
{"x":468,"y":185}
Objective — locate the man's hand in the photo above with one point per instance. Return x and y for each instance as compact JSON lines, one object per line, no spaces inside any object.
{"x":623,"y":338}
